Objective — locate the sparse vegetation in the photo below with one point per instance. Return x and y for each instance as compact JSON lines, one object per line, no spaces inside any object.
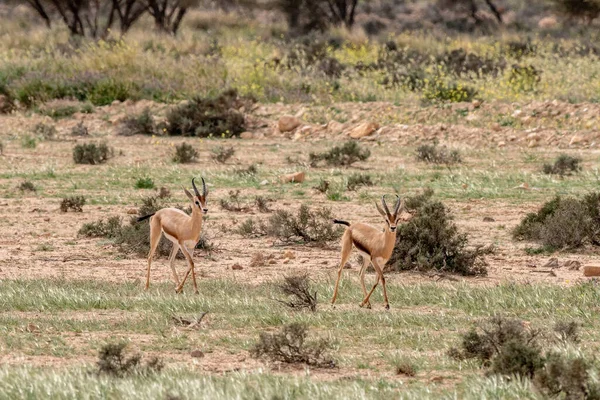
{"x":144,"y":183}
{"x":142,"y":124}
{"x":27,"y":186}
{"x":221,"y":153}
{"x":204,"y":117}
{"x":341,"y":156}
{"x":432,"y":153}
{"x":113,"y":362}
{"x":109,"y":228}
{"x":80,"y":129}
{"x":308,"y":226}
{"x":563,"y":165}
{"x":28,"y":142}
{"x":298,"y":292}
{"x":403,"y":366}
{"x":290,"y":346}
{"x":74,"y":203}
{"x":431,"y":241}
{"x":92,"y":153}
{"x":356,"y":180}
{"x":185,"y":153}
{"x":323,"y":186}
{"x":563,"y":223}
{"x":45,"y":131}
{"x":251,"y":170}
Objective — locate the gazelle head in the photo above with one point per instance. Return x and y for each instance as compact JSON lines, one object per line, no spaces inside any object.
{"x":199,"y":200}
{"x":391,"y":218}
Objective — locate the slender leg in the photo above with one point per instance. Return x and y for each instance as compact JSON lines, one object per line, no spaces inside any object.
{"x":154,"y":239}
{"x":172,"y":262}
{"x":379,"y":277}
{"x":191,"y":253}
{"x":187,"y":255}
{"x":346,"y":250}
{"x":365,"y":265}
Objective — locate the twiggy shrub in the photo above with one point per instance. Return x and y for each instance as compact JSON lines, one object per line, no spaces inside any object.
{"x":432,"y":153}
{"x":110,"y":228}
{"x":356,"y":180}
{"x":345,"y":155}
{"x":113,"y":362}
{"x":27,"y":186}
{"x":74,"y":203}
{"x":290,"y":346}
{"x":142,"y":124}
{"x":563,"y":165}
{"x":221,"y":154}
{"x":308,"y":226}
{"x":91,"y":153}
{"x":298,"y":291}
{"x":185,"y":153}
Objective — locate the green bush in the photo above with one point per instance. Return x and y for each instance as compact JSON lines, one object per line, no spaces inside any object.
{"x":345,"y":155}
{"x":74,"y":203}
{"x":204,"y":117}
{"x":27,"y":186}
{"x":524,"y":78}
{"x":356,"y":180}
{"x":431,"y":241}
{"x":438,"y":90}
{"x":563,"y":165}
{"x":91,"y":153}
{"x":111,"y":228}
{"x":185,"y":153}
{"x":113,"y":362}
{"x":144,"y":183}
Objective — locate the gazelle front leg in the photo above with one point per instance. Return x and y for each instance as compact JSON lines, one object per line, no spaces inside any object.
{"x":362,"y":278}
{"x":188,"y":256}
{"x":346,"y":250}
{"x":172,"y":258}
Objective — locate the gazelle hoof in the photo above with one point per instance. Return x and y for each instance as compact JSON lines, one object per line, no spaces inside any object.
{"x":367,"y":305}
{"x":387,"y":306}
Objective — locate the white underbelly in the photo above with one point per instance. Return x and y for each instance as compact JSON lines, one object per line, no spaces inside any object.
{"x":190,"y":244}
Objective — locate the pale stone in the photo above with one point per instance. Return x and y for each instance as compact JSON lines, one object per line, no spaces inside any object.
{"x":246,"y":135}
{"x":362,"y":130}
{"x":335,"y":127}
{"x":264,"y":182}
{"x":591,"y":270}
{"x":576,"y":139}
{"x":547,"y":22}
{"x":288,"y":123}
{"x":297,"y":177}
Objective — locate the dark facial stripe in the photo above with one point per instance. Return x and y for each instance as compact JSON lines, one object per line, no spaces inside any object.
{"x":360,"y":246}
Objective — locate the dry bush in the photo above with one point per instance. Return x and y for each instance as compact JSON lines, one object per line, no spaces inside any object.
{"x":310,"y":227}
{"x":290,"y":346}
{"x":404,"y":366}
{"x":233,"y":202}
{"x":345,"y":155}
{"x":185,"y":153}
{"x":323,"y":186}
{"x":110,"y":228}
{"x":74,"y":203}
{"x":431,"y":241}
{"x":567,"y":331}
{"x":91,"y":153}
{"x":46,"y":131}
{"x":80,"y":130}
{"x":432,"y":153}
{"x":504,"y":345}
{"x":249,"y":228}
{"x":567,"y":377}
{"x":27,"y":186}
{"x":298,"y":291}
{"x":221,"y":153}
{"x":142,"y":124}
{"x":263,"y":204}
{"x":113,"y":362}
{"x":563,"y":165}
{"x":563,"y":223}
{"x":204,"y":117}
{"x":251,"y":170}
{"x":356,"y":180}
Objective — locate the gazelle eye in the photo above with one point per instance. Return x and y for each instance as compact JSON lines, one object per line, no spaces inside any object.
{"x":198,"y":203}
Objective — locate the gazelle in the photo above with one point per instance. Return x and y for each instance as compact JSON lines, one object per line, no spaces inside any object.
{"x":374,"y":245}
{"x":181,"y":229}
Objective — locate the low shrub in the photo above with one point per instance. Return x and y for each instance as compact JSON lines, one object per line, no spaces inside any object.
{"x":250,"y":228}
{"x":212,"y":116}
{"x":356,"y":180}
{"x":74,"y":203}
{"x":27,"y":186}
{"x":431,"y":241}
{"x":45,"y":131}
{"x":563,"y":223}
{"x":432,"y":153}
{"x":345,"y":155}
{"x":298,"y":292}
{"x":308,"y":226}
{"x":111,"y":228}
{"x":142,"y":124}
{"x":185,"y":153}
{"x":323,"y":186}
{"x":221,"y":154}
{"x":290,"y":346}
{"x":438,"y":90}
{"x":524,"y":78}
{"x":403,"y":366}
{"x":80,"y":130}
{"x":92,"y":153}
{"x":144,"y":183}
{"x":28,"y":142}
{"x":113,"y":362}
{"x":563,"y":165}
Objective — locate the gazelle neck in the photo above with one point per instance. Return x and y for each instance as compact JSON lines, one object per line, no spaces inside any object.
{"x":196,"y":218}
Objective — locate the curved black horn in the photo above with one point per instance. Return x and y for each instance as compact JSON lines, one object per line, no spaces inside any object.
{"x":204,"y":190}
{"x":387,"y":210}
{"x":398,"y":202}
{"x":195,"y":188}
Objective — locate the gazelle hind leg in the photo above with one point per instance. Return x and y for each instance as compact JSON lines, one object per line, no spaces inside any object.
{"x":190,"y":269}
{"x":154,"y":239}
{"x":363,"y":269}
{"x":172,"y":258}
{"x":346,"y":250}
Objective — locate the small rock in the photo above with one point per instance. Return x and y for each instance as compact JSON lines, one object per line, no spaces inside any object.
{"x":534,"y":136}
{"x":547,"y":22}
{"x":32,"y":328}
{"x":576,"y":139}
{"x":297,"y":177}
{"x":47,"y":219}
{"x":532,"y":143}
{"x":289,"y":254}
{"x":476,"y":103}
{"x":237,"y":267}
{"x":496,"y":127}
{"x":516,"y":113}
{"x":271,"y":262}
{"x":115,"y":103}
{"x":246,"y":135}
{"x":501,"y":144}
{"x":132,"y":211}
{"x":591,"y":270}
{"x":264,"y":182}
{"x":288,"y":123}
{"x":362,"y":130}
{"x":286,"y":261}
{"x":335,"y":127}
{"x":488,"y":219}
{"x":197,"y":354}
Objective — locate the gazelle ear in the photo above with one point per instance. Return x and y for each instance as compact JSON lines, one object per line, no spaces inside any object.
{"x":383,"y":214}
{"x":189,"y":195}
